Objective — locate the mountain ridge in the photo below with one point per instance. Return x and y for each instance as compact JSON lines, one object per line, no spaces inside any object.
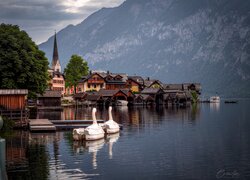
{"x":174,"y":41}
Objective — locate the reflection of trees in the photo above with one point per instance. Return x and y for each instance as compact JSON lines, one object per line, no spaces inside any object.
{"x":26,"y":160}
{"x":38,"y":162}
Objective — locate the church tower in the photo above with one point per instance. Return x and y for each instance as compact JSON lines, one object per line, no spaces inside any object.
{"x":55,"y":61}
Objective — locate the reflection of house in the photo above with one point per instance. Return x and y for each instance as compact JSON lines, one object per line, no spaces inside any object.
{"x":57,"y":82}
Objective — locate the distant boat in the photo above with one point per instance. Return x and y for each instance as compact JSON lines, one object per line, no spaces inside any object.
{"x":122,"y":103}
{"x":214,"y":99}
{"x":227,"y":101}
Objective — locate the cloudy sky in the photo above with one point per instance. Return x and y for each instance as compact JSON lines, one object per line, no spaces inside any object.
{"x":40,"y":18}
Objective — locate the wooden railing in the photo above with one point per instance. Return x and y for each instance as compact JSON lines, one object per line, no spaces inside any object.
{"x":20,"y":117}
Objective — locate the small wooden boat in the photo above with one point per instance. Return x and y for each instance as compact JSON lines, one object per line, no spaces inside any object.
{"x":111,"y":126}
{"x":232,"y":102}
{"x":94,"y":131}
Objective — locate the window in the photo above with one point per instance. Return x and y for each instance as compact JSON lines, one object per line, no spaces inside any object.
{"x":94,"y":85}
{"x":88,"y":85}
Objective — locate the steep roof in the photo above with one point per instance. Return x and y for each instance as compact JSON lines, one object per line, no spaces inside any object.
{"x":106,"y":92}
{"x":150,"y":82}
{"x":93,"y":97}
{"x":50,"y":93}
{"x":13,"y":91}
{"x":55,"y":53}
{"x":151,"y":91}
{"x":173,"y":86}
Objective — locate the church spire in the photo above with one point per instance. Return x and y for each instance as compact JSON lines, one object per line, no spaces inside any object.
{"x":55,"y":62}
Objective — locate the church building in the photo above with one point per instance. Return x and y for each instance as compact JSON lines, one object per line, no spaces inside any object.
{"x":57,"y":82}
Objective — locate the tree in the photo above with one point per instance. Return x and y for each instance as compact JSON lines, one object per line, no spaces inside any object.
{"x":76,"y":68}
{"x":22,"y":64}
{"x":194,"y":96}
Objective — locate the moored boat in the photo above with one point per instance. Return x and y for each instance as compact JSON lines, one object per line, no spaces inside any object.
{"x":214,"y":99}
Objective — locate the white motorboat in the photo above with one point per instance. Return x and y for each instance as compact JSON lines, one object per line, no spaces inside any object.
{"x":214,"y":99}
{"x":78,"y":134}
{"x":94,"y":131}
{"x":111,"y":126}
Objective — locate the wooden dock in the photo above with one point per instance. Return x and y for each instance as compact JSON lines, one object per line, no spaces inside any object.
{"x":41,"y":125}
{"x":37,"y":125}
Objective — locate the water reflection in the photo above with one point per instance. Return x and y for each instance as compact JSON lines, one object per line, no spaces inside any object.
{"x":93,"y":147}
{"x":129,"y":115}
{"x":215,"y":106}
{"x":57,"y":156}
{"x":111,"y":139}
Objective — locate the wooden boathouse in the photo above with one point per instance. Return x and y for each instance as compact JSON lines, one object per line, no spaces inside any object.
{"x":50,"y":100}
{"x":13,"y":105}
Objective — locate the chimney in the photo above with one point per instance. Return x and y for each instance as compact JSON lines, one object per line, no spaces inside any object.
{"x":107,"y":72}
{"x":90,"y":72}
{"x":148,"y":78}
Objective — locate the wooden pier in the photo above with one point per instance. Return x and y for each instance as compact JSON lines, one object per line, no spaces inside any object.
{"x":41,"y":125}
{"x":37,"y":125}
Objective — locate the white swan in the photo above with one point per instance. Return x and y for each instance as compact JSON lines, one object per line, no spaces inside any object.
{"x":78,"y":134}
{"x":111,"y":126}
{"x":94,"y":131}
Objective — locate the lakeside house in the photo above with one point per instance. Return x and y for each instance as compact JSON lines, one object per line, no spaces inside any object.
{"x":13,"y":105}
{"x":104,"y":86}
{"x":50,"y":99}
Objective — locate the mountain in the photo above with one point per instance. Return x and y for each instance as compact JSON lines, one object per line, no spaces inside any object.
{"x":176,"y":41}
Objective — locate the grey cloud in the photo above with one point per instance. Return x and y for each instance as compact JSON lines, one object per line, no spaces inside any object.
{"x":41,"y":18}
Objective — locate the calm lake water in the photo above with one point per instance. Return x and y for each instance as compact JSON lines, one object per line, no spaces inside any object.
{"x":206,"y":141}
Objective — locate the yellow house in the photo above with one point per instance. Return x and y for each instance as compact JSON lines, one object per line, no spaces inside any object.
{"x":93,"y":82}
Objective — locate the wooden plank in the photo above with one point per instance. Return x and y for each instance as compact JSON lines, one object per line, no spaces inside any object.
{"x":41,"y":125}
{"x":39,"y":122}
{"x":42,"y":128}
{"x":74,"y":121}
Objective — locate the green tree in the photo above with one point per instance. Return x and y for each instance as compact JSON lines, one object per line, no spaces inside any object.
{"x":195,"y":96}
{"x":22,"y":64}
{"x":76,"y":68}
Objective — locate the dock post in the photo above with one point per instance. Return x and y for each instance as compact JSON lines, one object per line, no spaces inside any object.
{"x":3,"y":174}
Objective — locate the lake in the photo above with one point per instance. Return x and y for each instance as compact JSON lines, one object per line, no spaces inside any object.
{"x":206,"y":141}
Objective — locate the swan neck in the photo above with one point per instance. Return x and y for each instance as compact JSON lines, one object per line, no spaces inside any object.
{"x":94,"y":117}
{"x":110,"y":115}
